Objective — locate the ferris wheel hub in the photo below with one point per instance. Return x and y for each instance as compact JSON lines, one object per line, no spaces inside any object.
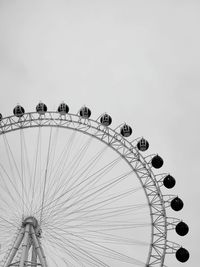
{"x":30,"y":220}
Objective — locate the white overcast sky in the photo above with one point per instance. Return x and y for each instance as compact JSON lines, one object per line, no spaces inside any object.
{"x":137,"y":60}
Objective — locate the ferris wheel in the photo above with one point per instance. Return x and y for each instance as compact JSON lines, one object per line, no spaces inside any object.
{"x":75,"y":192}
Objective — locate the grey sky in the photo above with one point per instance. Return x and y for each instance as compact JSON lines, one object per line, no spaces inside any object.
{"x":137,"y":60}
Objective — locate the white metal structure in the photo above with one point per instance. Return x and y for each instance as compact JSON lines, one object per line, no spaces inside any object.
{"x":68,"y":198}
{"x":29,"y":238}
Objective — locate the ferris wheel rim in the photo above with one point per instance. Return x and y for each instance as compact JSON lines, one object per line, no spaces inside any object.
{"x":75,"y":122}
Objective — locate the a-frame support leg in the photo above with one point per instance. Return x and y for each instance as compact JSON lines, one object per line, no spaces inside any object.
{"x":15,"y":248}
{"x":38,"y":248}
{"x":33,"y":257}
{"x":25,"y":246}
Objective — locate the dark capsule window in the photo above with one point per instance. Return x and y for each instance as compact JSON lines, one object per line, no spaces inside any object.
{"x":143,"y":145}
{"x":157,"y":162}
{"x":126,"y":130}
{"x":1,"y":117}
{"x":177,"y":204}
{"x":41,"y":108}
{"x":18,"y":111}
{"x":182,"y":229}
{"x":169,"y":181}
{"x":63,"y":109}
{"x":182,"y":254}
{"x":106,"y":120}
{"x":85,"y":112}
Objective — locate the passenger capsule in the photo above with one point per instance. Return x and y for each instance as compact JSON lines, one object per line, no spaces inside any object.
{"x":177,"y":204}
{"x":41,"y":108}
{"x":182,"y":254}
{"x":85,"y":112}
{"x":126,"y":130}
{"x":182,"y":228}
{"x":63,"y":109}
{"x":157,"y":162}
{"x":106,"y":119}
{"x":169,"y":181}
{"x":18,"y":111}
{"x":143,"y":145}
{"x":1,"y":117}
